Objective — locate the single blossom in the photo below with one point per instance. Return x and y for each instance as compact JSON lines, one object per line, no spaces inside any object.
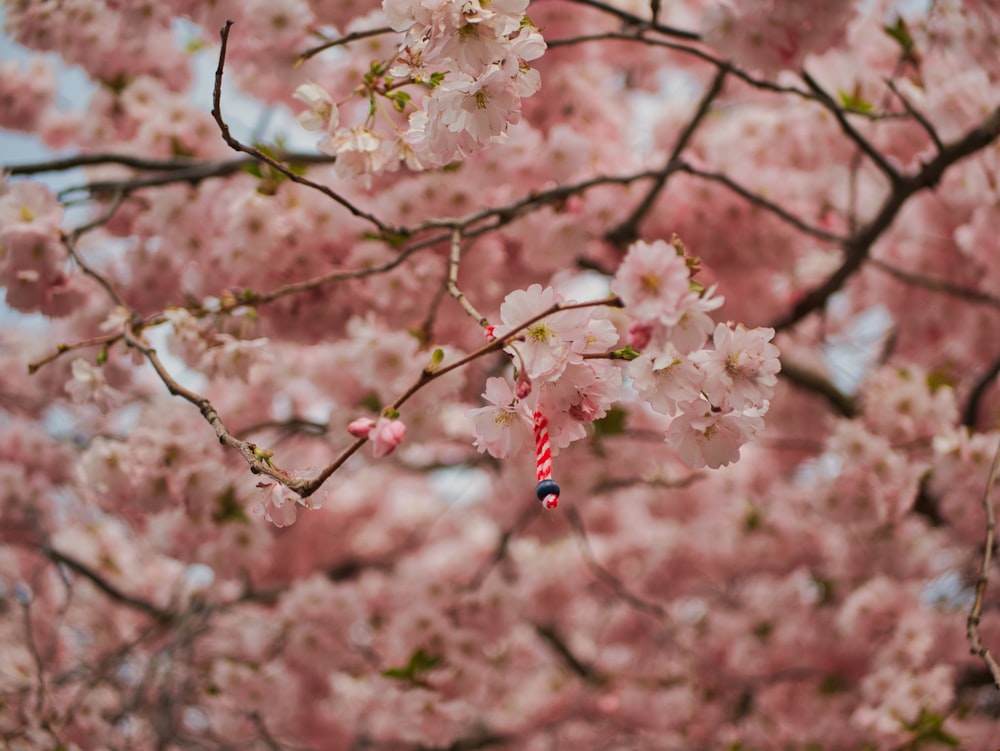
{"x":654,"y":282}
{"x":706,"y":438}
{"x":741,"y":371}
{"x":504,"y":427}
{"x":321,"y":113}
{"x":544,"y":348}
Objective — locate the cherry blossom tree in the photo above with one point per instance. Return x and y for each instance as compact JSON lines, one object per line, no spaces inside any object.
{"x":606,"y":374}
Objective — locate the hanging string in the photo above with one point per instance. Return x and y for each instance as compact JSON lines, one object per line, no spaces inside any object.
{"x":546,"y":490}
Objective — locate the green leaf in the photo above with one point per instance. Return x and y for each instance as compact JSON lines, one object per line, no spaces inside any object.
{"x":613,"y":423}
{"x":437,"y":357}
{"x":901,"y":33}
{"x":371,"y":403}
{"x":855,"y":102}
{"x":102,"y":355}
{"x":929,"y":729}
{"x":833,"y":684}
{"x":420,"y":662}
{"x":399,"y":100}
{"x":753,"y":518}
{"x":254,"y":169}
{"x":939,"y":379}
{"x":625,"y":353}
{"x":228,"y":509}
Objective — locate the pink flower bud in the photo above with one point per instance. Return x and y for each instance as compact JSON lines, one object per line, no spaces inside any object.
{"x":639,"y":335}
{"x":361,"y":427}
{"x":386,"y":435}
{"x":523,"y":386}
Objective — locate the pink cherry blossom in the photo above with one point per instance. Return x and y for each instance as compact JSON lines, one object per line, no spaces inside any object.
{"x":518,"y":209}
{"x":503,"y":428}
{"x":654,"y":283}
{"x":665,"y":378}
{"x":545,"y":347}
{"x":704,"y":438}
{"x":741,"y":371}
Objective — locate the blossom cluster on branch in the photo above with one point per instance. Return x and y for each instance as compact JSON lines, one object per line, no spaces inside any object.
{"x":447,"y":431}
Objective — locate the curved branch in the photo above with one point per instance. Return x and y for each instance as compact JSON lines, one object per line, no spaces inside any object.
{"x":137,"y":603}
{"x":859,"y":245}
{"x":965,"y":294}
{"x":972,"y":625}
{"x":634,"y":20}
{"x":977,"y":393}
{"x":193,"y":174}
{"x":628,"y":230}
{"x":346,"y":39}
{"x":851,"y":132}
{"x":259,"y":155}
{"x":819,"y":384}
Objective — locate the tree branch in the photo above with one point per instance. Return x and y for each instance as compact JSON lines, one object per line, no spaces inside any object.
{"x":628,"y":231}
{"x":259,"y":155}
{"x":859,"y":245}
{"x":819,"y":384}
{"x":136,"y":603}
{"x":976,"y":645}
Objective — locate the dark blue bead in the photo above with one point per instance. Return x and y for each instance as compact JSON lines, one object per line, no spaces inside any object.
{"x":546,"y":487}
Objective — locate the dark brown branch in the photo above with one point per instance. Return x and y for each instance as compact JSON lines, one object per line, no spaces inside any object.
{"x":69,"y":242}
{"x":259,"y":155}
{"x":859,"y":245}
{"x":90,"y":160}
{"x":628,"y":231}
{"x":346,"y":39}
{"x":137,"y":603}
{"x":258,"y":463}
{"x":976,"y":645}
{"x":819,"y":384}
{"x":965,"y":294}
{"x":587,"y":672}
{"x":606,"y":577}
{"x":978,"y":392}
{"x":851,"y":132}
{"x":758,"y":200}
{"x":633,"y":20}
{"x":192,"y":174}
{"x":917,"y":115}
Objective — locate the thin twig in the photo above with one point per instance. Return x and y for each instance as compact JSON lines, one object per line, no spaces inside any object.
{"x":976,"y":645}
{"x":346,"y":39}
{"x":236,"y":145}
{"x":851,"y":132}
{"x":634,"y":20}
{"x":192,"y":175}
{"x":965,"y":294}
{"x":305,"y":488}
{"x":859,"y":245}
{"x":916,"y":115}
{"x":580,"y":668}
{"x":613,"y":582}
{"x":137,"y":603}
{"x":62,"y":349}
{"x":760,"y":201}
{"x":452,"y":284}
{"x":817,"y":383}
{"x":69,"y":241}
{"x":628,"y":231}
